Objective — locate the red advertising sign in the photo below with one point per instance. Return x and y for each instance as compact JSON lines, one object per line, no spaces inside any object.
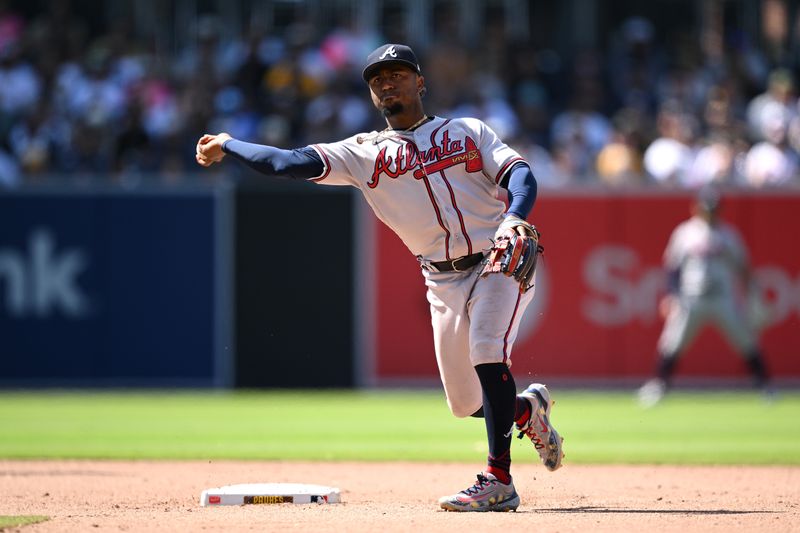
{"x":595,"y":310}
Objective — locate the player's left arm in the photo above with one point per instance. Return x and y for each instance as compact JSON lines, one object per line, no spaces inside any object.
{"x":522,"y":190}
{"x":516,"y":243}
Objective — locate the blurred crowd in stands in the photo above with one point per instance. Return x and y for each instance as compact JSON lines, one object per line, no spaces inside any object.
{"x":72,"y":104}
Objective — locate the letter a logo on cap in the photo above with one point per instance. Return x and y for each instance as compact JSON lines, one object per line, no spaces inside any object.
{"x":389,"y":52}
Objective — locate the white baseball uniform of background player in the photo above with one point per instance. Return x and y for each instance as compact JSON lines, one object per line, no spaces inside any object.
{"x":435,"y":182}
{"x":708,"y":268}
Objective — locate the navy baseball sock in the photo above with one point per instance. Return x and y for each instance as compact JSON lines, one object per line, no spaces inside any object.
{"x":499,"y":403}
{"x":755,"y":362}
{"x":666,"y":367}
{"x":522,"y":413}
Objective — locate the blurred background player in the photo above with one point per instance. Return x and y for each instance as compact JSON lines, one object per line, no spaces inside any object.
{"x":707,"y":264}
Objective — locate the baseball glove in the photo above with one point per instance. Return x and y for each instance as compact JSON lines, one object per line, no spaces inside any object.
{"x":515,"y":252}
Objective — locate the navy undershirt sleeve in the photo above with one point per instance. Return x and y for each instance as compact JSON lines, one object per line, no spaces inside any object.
{"x":522,"y":189}
{"x":297,"y":164}
{"x":674,"y":281}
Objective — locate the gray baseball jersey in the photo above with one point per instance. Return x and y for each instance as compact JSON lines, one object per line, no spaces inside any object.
{"x":709,"y":257}
{"x":436,"y":187}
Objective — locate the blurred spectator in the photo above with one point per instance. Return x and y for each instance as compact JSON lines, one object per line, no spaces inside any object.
{"x":447,"y":65}
{"x":685,"y":80}
{"x":544,"y":168}
{"x":132,"y":147}
{"x":713,"y":163}
{"x":720,"y":112}
{"x":216,"y":58}
{"x":669,"y":158}
{"x":720,"y":156}
{"x":779,"y":98}
{"x":345,"y":47}
{"x":634,"y":65}
{"x":33,"y":141}
{"x":485,"y":99}
{"x":234,"y":113}
{"x":160,"y":108}
{"x":261,"y":53}
{"x":9,"y":171}
{"x":338,"y":113}
{"x":20,"y":84}
{"x":581,"y":131}
{"x":772,"y":161}
{"x":530,"y":96}
{"x":80,"y":96}
{"x":620,"y":161}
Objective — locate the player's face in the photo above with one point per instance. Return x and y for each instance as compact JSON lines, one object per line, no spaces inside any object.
{"x":709,"y":215}
{"x":395,"y":88}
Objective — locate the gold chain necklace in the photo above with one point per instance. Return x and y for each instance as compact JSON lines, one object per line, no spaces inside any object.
{"x":384,"y":134}
{"x":414,"y":125}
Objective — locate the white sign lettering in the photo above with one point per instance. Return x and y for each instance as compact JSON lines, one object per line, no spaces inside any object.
{"x":621,"y":290}
{"x":45,"y":281}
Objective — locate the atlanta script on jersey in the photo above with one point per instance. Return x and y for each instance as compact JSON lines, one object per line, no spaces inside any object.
{"x":436,"y":186}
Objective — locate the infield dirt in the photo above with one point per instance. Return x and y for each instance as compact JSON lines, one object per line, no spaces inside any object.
{"x":164,"y":496}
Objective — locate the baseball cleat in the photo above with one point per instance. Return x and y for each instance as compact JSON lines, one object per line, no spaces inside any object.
{"x":548,"y":443}
{"x":488,"y":494}
{"x":652,"y":392}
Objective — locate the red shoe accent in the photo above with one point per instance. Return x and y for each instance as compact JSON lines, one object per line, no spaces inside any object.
{"x":521,"y":417}
{"x":503,"y":476}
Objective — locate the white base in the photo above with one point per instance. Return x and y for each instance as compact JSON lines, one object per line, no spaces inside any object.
{"x":269,"y":493}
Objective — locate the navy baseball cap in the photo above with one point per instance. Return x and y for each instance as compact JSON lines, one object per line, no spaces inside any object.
{"x":709,"y":198}
{"x":390,"y":53}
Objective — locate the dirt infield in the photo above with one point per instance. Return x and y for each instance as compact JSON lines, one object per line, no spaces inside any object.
{"x":164,"y":496}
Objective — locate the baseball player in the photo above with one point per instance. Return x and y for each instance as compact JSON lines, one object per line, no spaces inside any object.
{"x":434,"y":181}
{"x":706,"y":261}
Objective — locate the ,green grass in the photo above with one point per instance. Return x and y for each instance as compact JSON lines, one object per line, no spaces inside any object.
{"x":599,"y":427}
{"x":22,"y":520}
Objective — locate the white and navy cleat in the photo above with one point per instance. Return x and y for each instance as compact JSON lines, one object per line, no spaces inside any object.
{"x":488,"y":494}
{"x":539,"y":429}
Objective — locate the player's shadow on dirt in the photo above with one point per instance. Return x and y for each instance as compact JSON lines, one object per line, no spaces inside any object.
{"x":603,"y":510}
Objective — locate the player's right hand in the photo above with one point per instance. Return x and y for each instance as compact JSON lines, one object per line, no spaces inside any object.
{"x":209,"y":149}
